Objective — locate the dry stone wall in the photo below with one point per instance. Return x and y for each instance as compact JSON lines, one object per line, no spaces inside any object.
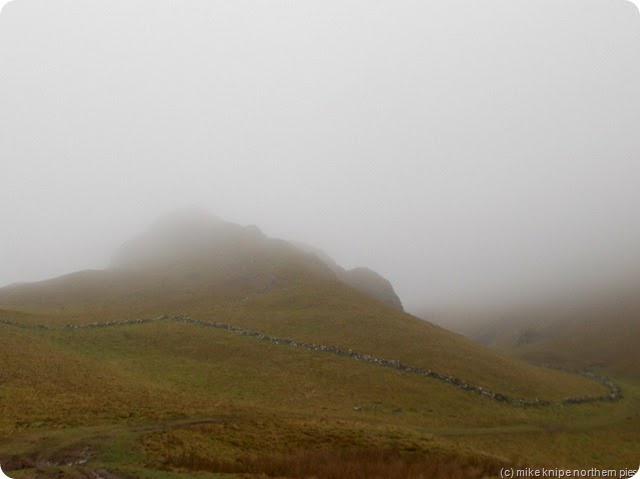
{"x":613,"y":394}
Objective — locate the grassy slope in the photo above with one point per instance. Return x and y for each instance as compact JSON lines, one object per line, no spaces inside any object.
{"x":158,"y":393}
{"x":145,"y":397}
{"x":303,"y":304}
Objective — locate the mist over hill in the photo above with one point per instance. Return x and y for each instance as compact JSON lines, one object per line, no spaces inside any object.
{"x":197,"y":239}
{"x":598,"y":331}
{"x":472,"y":158}
{"x":205,"y":338}
{"x":196,"y":263}
{"x":470,"y":153}
{"x":205,"y":245}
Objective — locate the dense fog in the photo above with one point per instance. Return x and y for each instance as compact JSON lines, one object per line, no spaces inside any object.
{"x":473,"y":153}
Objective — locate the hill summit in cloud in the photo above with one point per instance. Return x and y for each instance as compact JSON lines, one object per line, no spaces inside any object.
{"x":205,"y":244}
{"x":186,"y":236}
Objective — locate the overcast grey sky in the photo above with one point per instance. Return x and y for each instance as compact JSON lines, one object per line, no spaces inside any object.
{"x":470,"y":151}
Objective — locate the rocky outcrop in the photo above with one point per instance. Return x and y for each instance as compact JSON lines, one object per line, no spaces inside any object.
{"x":371,"y":283}
{"x":364,"y":280}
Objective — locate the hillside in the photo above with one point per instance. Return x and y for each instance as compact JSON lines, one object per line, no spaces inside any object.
{"x":601,"y":337}
{"x":197,"y":264}
{"x":210,"y":347}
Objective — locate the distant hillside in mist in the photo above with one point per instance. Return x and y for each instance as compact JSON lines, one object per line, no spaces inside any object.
{"x":602,"y":335}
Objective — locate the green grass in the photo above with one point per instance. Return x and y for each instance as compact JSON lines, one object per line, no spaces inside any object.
{"x":305,"y":307}
{"x":169,"y":400}
{"x":172,"y":397}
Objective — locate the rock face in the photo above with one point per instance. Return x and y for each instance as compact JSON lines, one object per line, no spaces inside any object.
{"x":362,"y":279}
{"x":371,"y":283}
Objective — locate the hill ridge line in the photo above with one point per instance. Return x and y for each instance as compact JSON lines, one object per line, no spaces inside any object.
{"x":613,"y":395}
